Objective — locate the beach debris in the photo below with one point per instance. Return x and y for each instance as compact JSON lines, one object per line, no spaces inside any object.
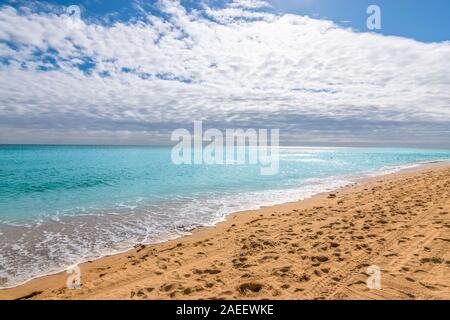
{"x":29,"y":296}
{"x":139,"y":247}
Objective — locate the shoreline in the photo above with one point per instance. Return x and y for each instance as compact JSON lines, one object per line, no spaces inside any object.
{"x":51,"y":281}
{"x":345,"y":181}
{"x":350,"y":180}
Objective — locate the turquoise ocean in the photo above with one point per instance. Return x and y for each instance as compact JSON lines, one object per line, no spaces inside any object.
{"x":62,"y":205}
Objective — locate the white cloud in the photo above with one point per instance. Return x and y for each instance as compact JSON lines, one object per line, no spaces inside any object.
{"x":249,"y":4}
{"x":253,"y":67}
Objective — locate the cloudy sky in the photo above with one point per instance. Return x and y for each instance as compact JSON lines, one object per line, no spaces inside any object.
{"x":130,"y":72}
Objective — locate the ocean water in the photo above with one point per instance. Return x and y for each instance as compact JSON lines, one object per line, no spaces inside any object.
{"x":61,"y":205}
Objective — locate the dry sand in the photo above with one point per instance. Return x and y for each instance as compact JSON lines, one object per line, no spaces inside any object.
{"x":319,"y":248}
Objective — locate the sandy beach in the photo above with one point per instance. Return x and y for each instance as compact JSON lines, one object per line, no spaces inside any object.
{"x":319,"y":248}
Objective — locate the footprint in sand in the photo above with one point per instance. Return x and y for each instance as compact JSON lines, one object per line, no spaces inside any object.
{"x":251,"y":287}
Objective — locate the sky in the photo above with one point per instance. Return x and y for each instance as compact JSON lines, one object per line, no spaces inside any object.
{"x":131,"y":72}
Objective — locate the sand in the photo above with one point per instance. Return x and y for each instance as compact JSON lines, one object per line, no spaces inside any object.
{"x":319,"y":248}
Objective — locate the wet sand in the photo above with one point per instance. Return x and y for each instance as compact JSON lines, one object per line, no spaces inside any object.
{"x":319,"y":248}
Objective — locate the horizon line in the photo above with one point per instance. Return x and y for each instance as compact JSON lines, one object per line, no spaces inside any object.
{"x":342,"y":145}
